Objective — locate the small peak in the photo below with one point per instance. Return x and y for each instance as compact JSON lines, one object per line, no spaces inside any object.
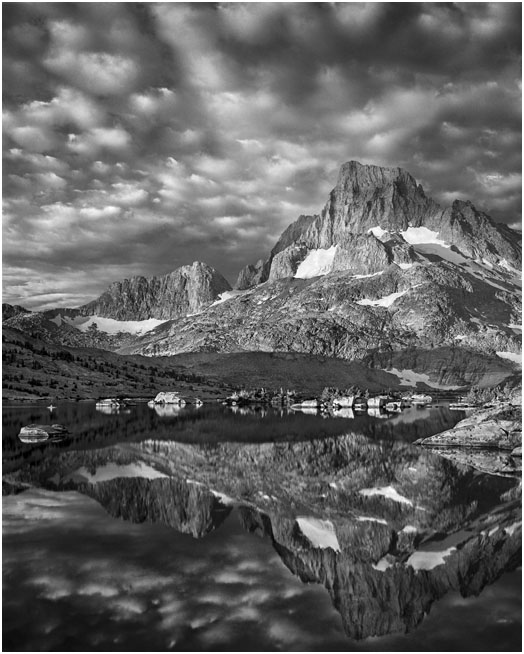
{"x":366,"y":175}
{"x":462,"y":203}
{"x":460,"y":206}
{"x":198,"y":265}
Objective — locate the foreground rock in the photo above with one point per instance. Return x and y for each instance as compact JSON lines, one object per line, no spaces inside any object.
{"x":490,"y":440}
{"x":39,"y":433}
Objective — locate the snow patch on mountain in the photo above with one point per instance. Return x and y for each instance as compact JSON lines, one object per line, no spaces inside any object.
{"x":384,"y":564}
{"x":412,"y":378}
{"x":409,"y":529}
{"x":513,"y":528}
{"x":380,"y":272}
{"x":316,"y":263}
{"x":504,"y":264}
{"x":418,"y":235}
{"x":227,"y":295}
{"x":365,"y":518}
{"x":510,"y":356}
{"x":385,"y":301}
{"x":320,"y":533}
{"x":109,"y":325}
{"x":386,"y":491}
{"x":115,"y":471}
{"x":428,"y":560}
{"x":225,"y":499}
{"x":377,"y":232}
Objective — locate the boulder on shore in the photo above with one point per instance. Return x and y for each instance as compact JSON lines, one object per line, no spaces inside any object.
{"x":488,"y":440}
{"x":39,"y":433}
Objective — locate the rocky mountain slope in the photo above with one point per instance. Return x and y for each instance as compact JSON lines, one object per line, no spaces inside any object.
{"x":372,"y":217}
{"x":62,"y":330}
{"x":383,"y":275}
{"x":10,"y":310}
{"x":382,"y":269}
{"x":185,"y":290}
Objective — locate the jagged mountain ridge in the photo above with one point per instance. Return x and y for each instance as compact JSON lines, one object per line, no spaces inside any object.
{"x":185,"y":290}
{"x":375,"y":208}
{"x":382,"y":269}
{"x":338,"y":315}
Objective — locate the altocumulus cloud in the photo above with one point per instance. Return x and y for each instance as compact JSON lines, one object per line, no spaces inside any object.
{"x":138,"y":138}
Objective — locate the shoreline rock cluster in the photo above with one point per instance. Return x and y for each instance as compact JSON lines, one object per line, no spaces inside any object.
{"x":490,"y":439}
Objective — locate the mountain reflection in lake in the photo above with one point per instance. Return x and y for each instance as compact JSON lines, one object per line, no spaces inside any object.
{"x":218,"y":508}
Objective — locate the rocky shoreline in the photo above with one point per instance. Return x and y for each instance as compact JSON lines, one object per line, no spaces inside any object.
{"x":490,"y":439}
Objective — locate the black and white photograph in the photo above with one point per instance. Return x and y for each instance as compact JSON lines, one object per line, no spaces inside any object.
{"x":261,"y":326}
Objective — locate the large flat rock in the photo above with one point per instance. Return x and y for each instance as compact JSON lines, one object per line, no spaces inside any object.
{"x":489,"y":440}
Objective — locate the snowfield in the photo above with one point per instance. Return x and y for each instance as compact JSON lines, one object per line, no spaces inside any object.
{"x":317,"y":263}
{"x":114,"y":471}
{"x":409,"y":529}
{"x":109,"y":325}
{"x":225,"y":499}
{"x":320,"y":533}
{"x":370,"y":275}
{"x":385,"y":301}
{"x":504,"y":264}
{"x":226,"y":295}
{"x":386,"y":491}
{"x":378,"y":232}
{"x":411,"y":378}
{"x":510,"y":356}
{"x":417,"y":235}
{"x":428,"y":560}
{"x":365,"y":518}
{"x":383,"y":564}
{"x":513,"y":528}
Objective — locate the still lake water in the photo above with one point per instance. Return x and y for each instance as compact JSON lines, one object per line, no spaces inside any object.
{"x":208,"y":529}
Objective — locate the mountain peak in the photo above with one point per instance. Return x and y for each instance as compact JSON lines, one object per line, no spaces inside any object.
{"x":381,"y":200}
{"x":185,"y":290}
{"x":359,"y":177}
{"x":354,"y":168}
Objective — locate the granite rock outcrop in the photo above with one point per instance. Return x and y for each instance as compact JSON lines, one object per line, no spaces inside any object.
{"x":389,"y":203}
{"x":490,"y":439}
{"x":185,"y":290}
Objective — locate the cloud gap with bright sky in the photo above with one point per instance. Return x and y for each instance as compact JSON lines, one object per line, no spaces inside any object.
{"x":141,"y":137}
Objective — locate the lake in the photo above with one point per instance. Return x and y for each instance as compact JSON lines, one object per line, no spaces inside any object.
{"x":253,"y":529}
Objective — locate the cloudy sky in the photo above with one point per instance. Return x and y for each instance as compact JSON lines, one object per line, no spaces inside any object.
{"x":141,"y":137}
